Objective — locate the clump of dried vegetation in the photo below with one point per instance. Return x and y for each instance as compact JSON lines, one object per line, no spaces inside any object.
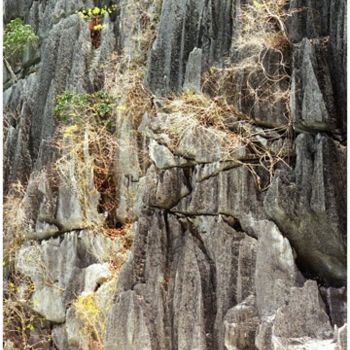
{"x":92,"y":319}
{"x":234,"y":98}
{"x":20,"y":321}
{"x":85,"y":135}
{"x":15,"y":223}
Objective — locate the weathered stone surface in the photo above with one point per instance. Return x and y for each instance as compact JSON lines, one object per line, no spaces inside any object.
{"x":246,"y":268}
{"x":241,"y":323}
{"x":163,"y":158}
{"x":127,"y":325}
{"x":204,"y":145}
{"x":338,"y":58}
{"x":189,"y":313}
{"x":73,"y":326}
{"x":308,"y":19}
{"x":47,"y":301}
{"x":207,"y":269}
{"x":321,"y":19}
{"x":194,"y":71}
{"x":61,"y":269}
{"x":184,"y":26}
{"x":308,"y":205}
{"x":303,"y":316}
{"x":275,"y":272}
{"x":336,"y":302}
{"x":312,"y":96}
{"x":166,"y":188}
{"x":162,"y":267}
{"x":170,"y":50}
{"x":232,"y":192}
{"x":13,"y":9}
{"x":222,"y":244}
{"x":59,"y":337}
{"x":128,"y":167}
{"x":263,"y":337}
{"x":341,"y":337}
{"x":95,"y":275}
{"x":195,"y":142}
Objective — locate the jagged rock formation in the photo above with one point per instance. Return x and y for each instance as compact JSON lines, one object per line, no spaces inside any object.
{"x":216,"y":263}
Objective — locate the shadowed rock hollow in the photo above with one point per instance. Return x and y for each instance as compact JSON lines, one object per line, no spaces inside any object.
{"x":213,"y":216}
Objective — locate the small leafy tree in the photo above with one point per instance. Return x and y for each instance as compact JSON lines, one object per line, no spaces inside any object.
{"x":16,"y":38}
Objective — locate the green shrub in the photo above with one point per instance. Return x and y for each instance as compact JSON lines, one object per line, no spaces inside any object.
{"x":16,"y":38}
{"x":77,"y":108}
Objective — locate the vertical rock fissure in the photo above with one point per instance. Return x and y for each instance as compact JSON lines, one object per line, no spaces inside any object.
{"x":210,"y":303}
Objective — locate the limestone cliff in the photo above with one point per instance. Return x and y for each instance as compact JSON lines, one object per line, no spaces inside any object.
{"x":175,"y":175}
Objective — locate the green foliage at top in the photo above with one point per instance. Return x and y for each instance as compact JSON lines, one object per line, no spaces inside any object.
{"x":16,"y":38}
{"x":96,"y":11}
{"x":78,"y":108}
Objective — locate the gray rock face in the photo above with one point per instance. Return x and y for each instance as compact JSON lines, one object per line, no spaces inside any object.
{"x":304,"y":304}
{"x":66,"y":54}
{"x":342,"y":338}
{"x":310,"y":202}
{"x":335,"y":299}
{"x":241,"y":323}
{"x":312,"y":96}
{"x":170,"y":267}
{"x":184,"y":26}
{"x":275,"y":272}
{"x":128,"y":330}
{"x":194,"y":71}
{"x":310,"y":21}
{"x":235,"y":198}
{"x":215,"y":263}
{"x":325,"y":20}
{"x":61,"y":269}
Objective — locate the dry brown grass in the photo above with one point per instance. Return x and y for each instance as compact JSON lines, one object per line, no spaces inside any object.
{"x":142,"y":20}
{"x":252,"y":83}
{"x":209,"y":112}
{"x":90,"y":151}
{"x":125,"y":81}
{"x":19,"y":318}
{"x":15,"y":222}
{"x":220,"y":122}
{"x":260,"y":18}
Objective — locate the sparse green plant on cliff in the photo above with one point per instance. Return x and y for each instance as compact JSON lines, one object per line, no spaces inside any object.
{"x":86,"y":125}
{"x":76,"y":109}
{"x":17,"y":37}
